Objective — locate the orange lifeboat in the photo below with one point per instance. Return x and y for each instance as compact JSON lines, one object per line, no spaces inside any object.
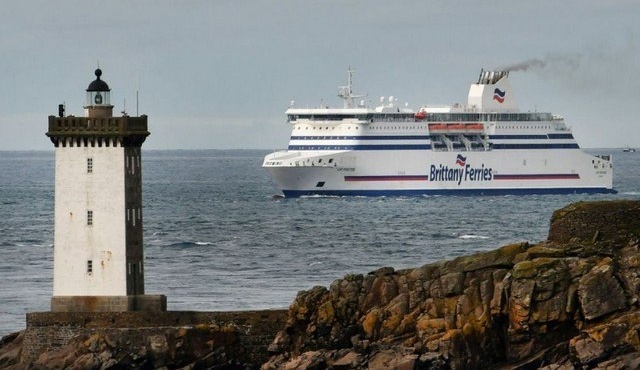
{"x":456,"y":127}
{"x":437,"y":127}
{"x":421,"y":115}
{"x":475,"y":127}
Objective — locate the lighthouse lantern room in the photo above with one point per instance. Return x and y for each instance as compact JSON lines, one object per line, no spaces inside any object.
{"x":98,"y":251}
{"x":98,"y":102}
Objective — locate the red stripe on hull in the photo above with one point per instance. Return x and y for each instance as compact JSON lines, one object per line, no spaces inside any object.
{"x":570,"y":176}
{"x":386,"y":178}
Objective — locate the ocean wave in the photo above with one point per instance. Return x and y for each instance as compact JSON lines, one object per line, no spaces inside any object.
{"x":472,"y":236}
{"x":439,"y":235}
{"x":319,"y":196}
{"x":179,"y":245}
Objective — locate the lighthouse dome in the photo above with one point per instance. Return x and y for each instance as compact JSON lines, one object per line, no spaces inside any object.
{"x":98,"y":84}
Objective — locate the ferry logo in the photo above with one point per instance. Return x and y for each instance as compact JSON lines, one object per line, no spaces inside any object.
{"x":464,"y":173}
{"x":498,"y":95}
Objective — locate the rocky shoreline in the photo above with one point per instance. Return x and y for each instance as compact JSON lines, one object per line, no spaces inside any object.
{"x":569,"y":302}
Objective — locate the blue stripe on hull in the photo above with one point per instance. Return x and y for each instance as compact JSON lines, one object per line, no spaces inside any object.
{"x":460,"y":192}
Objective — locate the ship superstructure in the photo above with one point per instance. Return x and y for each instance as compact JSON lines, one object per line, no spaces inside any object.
{"x":484,"y":147}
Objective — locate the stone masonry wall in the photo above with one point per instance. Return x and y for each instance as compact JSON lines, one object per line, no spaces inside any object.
{"x":163,"y":338}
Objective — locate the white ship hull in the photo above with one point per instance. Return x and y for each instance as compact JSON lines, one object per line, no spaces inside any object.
{"x":457,"y":150}
{"x":425,"y":173}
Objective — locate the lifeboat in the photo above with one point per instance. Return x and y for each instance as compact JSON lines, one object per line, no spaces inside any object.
{"x":475,"y":127}
{"x":437,"y":127}
{"x":456,"y":127}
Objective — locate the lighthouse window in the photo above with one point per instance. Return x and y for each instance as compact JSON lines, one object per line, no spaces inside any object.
{"x":89,"y":267}
{"x":89,"y":218}
{"x":89,"y":165}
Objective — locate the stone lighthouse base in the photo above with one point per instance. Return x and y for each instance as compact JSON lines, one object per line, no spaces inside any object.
{"x":143,"y":302}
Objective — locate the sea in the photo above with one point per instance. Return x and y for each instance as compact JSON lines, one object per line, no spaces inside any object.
{"x":216,"y":238}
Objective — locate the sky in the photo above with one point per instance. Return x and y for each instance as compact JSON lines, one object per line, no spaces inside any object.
{"x":219,"y":74}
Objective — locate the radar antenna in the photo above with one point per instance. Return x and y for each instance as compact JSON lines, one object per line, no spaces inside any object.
{"x":346,"y":92}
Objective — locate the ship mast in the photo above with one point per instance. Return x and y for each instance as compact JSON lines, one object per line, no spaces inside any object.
{"x":346,"y":92}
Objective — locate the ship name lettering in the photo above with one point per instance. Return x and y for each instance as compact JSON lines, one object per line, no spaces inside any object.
{"x":467,"y":173}
{"x":477,"y":174}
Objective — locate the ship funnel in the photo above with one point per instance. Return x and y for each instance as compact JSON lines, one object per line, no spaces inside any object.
{"x":492,"y":93}
{"x":491,"y":77}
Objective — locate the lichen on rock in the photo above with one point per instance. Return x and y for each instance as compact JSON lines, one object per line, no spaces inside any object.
{"x":569,"y":301}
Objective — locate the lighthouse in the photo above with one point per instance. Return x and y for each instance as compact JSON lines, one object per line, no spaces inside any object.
{"x":98,"y":251}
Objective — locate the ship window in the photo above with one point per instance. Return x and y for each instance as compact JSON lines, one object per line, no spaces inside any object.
{"x":330,"y":160}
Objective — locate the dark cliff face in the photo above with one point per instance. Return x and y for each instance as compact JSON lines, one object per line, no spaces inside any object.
{"x":571,"y":300}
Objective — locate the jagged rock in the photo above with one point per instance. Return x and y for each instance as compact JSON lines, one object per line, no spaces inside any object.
{"x":600,"y":292}
{"x":391,"y":360}
{"x":348,"y":361}
{"x":609,"y":222}
{"x":10,"y":350}
{"x":568,"y":301}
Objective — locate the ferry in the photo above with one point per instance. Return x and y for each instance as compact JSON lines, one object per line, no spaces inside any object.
{"x":486,"y":147}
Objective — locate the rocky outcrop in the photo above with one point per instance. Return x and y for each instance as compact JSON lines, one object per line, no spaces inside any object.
{"x":11,"y":350}
{"x":568,"y":302}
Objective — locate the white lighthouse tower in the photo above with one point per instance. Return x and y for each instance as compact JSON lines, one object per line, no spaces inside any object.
{"x":98,"y":252}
